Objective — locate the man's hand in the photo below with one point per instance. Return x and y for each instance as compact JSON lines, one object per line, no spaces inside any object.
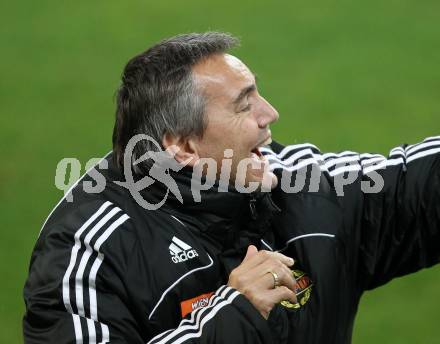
{"x":253,"y":278}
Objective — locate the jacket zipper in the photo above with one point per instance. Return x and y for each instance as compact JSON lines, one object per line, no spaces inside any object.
{"x":252,"y":207}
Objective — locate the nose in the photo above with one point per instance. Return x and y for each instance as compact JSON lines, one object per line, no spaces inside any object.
{"x":267,"y":114}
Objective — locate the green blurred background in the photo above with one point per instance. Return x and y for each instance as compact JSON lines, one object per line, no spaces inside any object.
{"x":344,"y":75}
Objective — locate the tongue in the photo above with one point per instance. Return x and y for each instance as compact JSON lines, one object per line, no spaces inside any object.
{"x":257,"y":152}
{"x":256,"y":155}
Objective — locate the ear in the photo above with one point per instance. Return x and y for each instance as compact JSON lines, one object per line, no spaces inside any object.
{"x":184,"y":150}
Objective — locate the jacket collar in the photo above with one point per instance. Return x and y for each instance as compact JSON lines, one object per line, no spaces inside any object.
{"x":225,"y":215}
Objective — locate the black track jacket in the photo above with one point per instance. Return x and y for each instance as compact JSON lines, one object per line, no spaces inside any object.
{"x":104,"y":269}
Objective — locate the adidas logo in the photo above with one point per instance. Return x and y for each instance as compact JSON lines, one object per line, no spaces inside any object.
{"x":180,"y":251}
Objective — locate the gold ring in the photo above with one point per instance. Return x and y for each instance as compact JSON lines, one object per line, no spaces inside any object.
{"x":276,"y":282}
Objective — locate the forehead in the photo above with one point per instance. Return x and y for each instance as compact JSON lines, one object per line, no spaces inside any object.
{"x":222,"y":74}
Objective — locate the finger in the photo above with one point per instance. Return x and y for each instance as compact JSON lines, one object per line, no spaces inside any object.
{"x":284,"y":277}
{"x":263,"y":272}
{"x":251,"y":251}
{"x":267,"y":278}
{"x":254,"y":259}
{"x":280,"y":294}
{"x":288,"y":261}
{"x":243,"y":273}
{"x":256,"y":267}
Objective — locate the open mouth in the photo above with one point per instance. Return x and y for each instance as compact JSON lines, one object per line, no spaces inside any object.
{"x":256,"y":153}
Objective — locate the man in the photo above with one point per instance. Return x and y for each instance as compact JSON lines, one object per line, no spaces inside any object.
{"x":216,"y":257}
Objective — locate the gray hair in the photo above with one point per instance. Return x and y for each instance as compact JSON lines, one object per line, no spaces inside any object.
{"x":158,"y":94}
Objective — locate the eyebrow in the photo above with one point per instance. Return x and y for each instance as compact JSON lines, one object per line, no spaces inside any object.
{"x":244,"y":92}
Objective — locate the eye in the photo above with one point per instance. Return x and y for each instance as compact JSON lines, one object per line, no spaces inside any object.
{"x":246,"y":108}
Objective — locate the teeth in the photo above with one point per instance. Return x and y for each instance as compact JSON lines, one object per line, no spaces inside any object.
{"x":256,"y":150}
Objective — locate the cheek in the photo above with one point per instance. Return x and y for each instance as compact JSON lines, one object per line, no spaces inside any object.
{"x":248,"y":133}
{"x":239,"y":134}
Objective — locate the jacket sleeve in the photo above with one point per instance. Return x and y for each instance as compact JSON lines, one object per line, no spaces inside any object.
{"x":400,"y":229}
{"x":390,"y":205}
{"x":74,"y":292}
{"x":228,"y":318}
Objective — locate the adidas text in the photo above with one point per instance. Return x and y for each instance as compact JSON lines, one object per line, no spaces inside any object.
{"x":184,"y":256}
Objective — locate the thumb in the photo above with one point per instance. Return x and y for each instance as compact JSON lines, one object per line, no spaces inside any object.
{"x":251,"y":251}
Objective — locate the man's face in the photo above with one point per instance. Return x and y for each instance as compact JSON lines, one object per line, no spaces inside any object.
{"x":238,"y":118}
